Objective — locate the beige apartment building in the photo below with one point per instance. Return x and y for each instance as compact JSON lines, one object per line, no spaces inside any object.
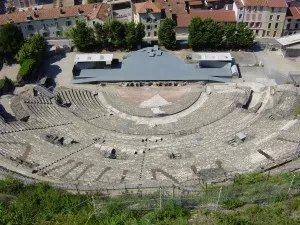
{"x":148,"y":13}
{"x":265,"y":17}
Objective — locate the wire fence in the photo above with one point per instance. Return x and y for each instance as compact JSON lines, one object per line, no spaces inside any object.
{"x":263,"y":191}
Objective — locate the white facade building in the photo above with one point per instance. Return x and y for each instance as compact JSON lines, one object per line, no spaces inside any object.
{"x":54,"y":22}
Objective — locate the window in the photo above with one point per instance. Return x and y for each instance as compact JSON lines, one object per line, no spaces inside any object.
{"x":272,"y":9}
{"x":44,"y":26}
{"x":248,"y":17}
{"x":258,"y":24}
{"x":276,"y":25}
{"x":148,"y":20}
{"x":155,"y":20}
{"x":261,"y":8}
{"x":56,"y":24}
{"x":275,"y":32}
{"x":264,"y":33}
{"x":288,"y":26}
{"x":268,"y":33}
{"x":148,"y":27}
{"x":251,"y":24}
{"x":241,"y":8}
{"x":240,"y":16}
{"x":45,"y":34}
{"x":155,"y":33}
{"x":69,"y":23}
{"x":296,"y":26}
{"x":148,"y":34}
{"x":57,"y":33}
{"x":259,"y":17}
{"x":155,"y":26}
{"x":30,"y":27}
{"x":269,"y":26}
{"x":279,"y":9}
{"x":254,"y":8}
{"x":256,"y":32}
{"x":248,"y":8}
{"x":278,"y":17}
{"x":271,"y":17}
{"x":253,"y":16}
{"x":289,"y":20}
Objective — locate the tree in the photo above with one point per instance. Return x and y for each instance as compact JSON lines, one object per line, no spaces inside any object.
{"x":244,"y":36}
{"x":140,"y":33}
{"x":102,"y":34}
{"x":117,"y":33}
{"x":11,"y":40}
{"x":83,"y":36}
{"x":205,"y":33}
{"x":195,"y":39}
{"x":131,"y":40}
{"x":166,"y":33}
{"x":33,"y":48}
{"x":229,"y":41}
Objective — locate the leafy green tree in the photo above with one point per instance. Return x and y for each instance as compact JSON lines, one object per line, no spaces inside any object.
{"x":131,"y":40}
{"x":102,"y":34}
{"x":244,"y":36}
{"x":83,"y":36}
{"x":11,"y":40}
{"x":205,"y":33}
{"x":33,"y":48}
{"x":117,"y":33}
{"x":230,"y":36}
{"x":140,"y":33}
{"x":195,"y":39}
{"x":166,"y":33}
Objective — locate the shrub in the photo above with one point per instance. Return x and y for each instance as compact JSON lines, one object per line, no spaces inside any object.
{"x":6,"y":86}
{"x":26,"y":68}
{"x":11,"y":185}
{"x":233,"y":203}
{"x":251,"y":178}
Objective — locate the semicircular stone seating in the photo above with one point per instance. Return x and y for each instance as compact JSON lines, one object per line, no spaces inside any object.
{"x":104,"y":146}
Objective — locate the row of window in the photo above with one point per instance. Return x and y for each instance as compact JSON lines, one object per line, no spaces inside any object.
{"x":297,"y":25}
{"x":149,"y":20}
{"x":269,"y":33}
{"x":257,"y":17}
{"x":68,"y":23}
{"x":149,"y":27}
{"x":259,"y":9}
{"x":154,"y":34}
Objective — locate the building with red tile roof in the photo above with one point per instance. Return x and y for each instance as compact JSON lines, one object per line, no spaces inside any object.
{"x":52,"y":22}
{"x":150,"y":14}
{"x":183,"y":20}
{"x":292,"y":21}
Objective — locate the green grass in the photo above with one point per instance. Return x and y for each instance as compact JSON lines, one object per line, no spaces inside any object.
{"x":253,"y":199}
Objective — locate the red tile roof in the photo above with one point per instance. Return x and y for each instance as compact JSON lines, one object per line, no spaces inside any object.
{"x":293,"y":13}
{"x":91,"y":11}
{"x":217,"y":15}
{"x":144,"y":6}
{"x":267,"y":3}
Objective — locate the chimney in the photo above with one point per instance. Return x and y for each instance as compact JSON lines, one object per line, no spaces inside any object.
{"x":36,"y":14}
{"x":61,"y":11}
{"x":79,"y":10}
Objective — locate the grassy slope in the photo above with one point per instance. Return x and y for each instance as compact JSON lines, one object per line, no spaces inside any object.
{"x":253,"y":199}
